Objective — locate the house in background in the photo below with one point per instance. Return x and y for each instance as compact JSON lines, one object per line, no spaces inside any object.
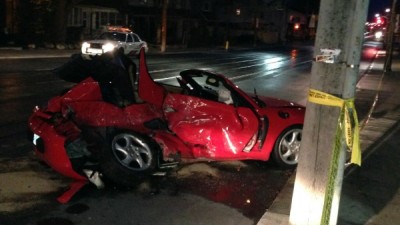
{"x":144,"y":17}
{"x":189,"y":22}
{"x":87,"y":21}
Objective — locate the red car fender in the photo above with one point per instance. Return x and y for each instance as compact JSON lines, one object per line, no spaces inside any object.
{"x":171,"y":145}
{"x":278,"y":124}
{"x":54,"y":153}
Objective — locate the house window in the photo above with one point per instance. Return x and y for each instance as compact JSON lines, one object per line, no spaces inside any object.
{"x":77,"y":17}
{"x":97,"y":20}
{"x":238,"y":11}
{"x":84,"y":19}
{"x":119,"y":19}
{"x":112,"y":18}
{"x":103,"y":18}
{"x":74,"y":18}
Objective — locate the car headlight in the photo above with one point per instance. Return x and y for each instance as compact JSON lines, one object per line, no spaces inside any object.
{"x":108,"y":47}
{"x":85,"y":45}
{"x":378,"y":34}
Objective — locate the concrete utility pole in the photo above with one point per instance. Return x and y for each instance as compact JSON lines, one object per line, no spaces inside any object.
{"x":164,"y":26}
{"x":320,"y":171}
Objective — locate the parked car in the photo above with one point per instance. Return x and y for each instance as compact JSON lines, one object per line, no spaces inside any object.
{"x":119,"y":39}
{"x":114,"y":129}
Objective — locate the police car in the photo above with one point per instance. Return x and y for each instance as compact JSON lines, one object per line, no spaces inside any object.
{"x":115,"y":39}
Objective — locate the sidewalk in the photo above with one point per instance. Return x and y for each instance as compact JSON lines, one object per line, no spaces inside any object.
{"x":370,"y":193}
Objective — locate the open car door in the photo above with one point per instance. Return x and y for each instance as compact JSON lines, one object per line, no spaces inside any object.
{"x":149,"y":91}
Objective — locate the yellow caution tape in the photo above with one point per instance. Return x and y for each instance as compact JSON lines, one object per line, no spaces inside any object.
{"x":348,"y":113}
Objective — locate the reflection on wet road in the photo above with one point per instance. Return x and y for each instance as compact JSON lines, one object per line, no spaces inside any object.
{"x":247,"y":186}
{"x":195,"y":189}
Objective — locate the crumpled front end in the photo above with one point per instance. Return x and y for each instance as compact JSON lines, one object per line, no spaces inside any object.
{"x":57,"y":142}
{"x":50,"y":145}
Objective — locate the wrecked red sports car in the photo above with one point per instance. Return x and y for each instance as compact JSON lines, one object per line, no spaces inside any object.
{"x":124,"y":127}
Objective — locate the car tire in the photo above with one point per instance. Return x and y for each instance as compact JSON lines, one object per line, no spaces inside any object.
{"x":287,"y":146}
{"x":129,"y":158}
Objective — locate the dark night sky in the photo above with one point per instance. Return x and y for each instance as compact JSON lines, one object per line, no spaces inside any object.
{"x":309,"y":6}
{"x":378,"y":6}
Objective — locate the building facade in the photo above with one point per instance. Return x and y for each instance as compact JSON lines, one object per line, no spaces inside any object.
{"x":189,"y":22}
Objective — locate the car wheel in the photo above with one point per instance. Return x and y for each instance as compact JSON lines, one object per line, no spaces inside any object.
{"x":287,"y":146}
{"x":129,"y":158}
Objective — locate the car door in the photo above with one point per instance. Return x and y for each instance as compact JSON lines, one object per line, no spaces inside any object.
{"x":130,"y":44}
{"x":135,"y":43}
{"x":214,"y":129}
{"x":148,"y":90}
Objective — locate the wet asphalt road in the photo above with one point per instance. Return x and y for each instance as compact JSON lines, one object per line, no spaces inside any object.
{"x":202,"y":192}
